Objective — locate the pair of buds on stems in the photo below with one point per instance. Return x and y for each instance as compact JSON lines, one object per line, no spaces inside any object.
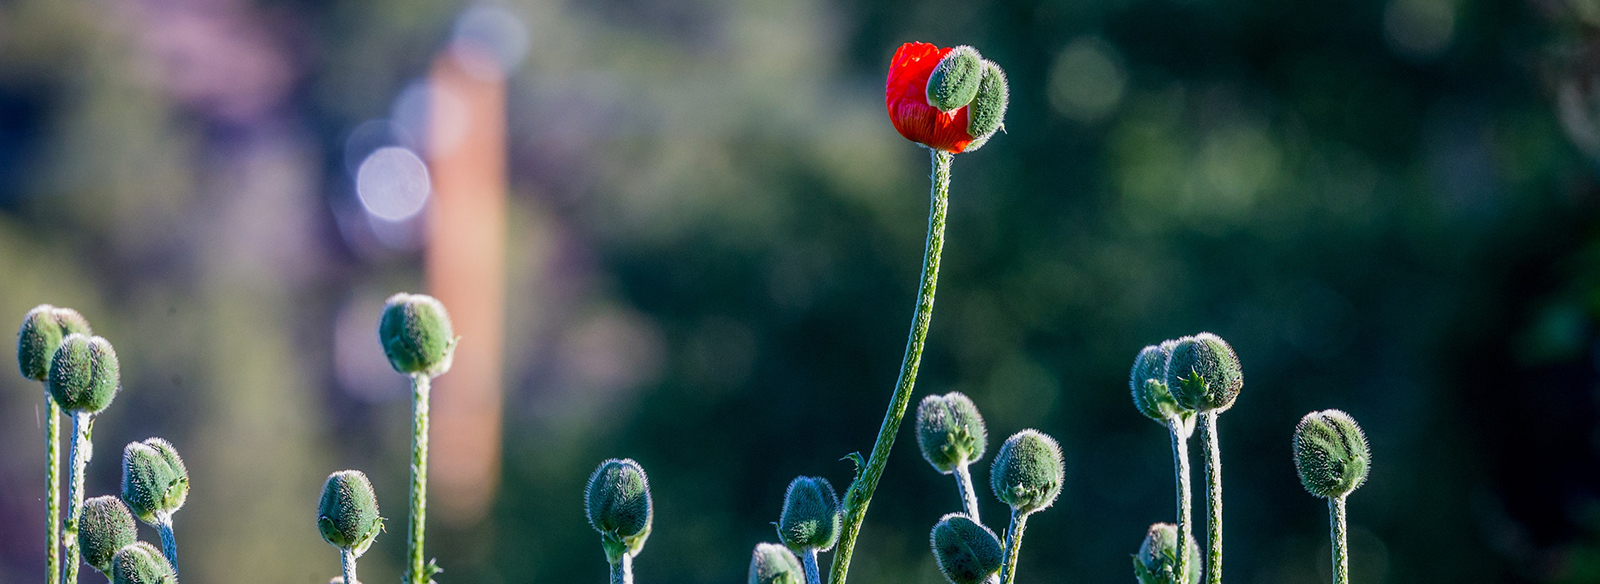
{"x":82,"y":376}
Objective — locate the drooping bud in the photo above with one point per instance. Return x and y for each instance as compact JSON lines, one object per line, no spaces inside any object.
{"x":954,"y":81}
{"x":416,"y":334}
{"x":1028,"y":471}
{"x":154,"y":480}
{"x":105,"y":527}
{"x":1331,"y":453}
{"x":141,"y":563}
{"x":771,"y":563}
{"x":1148,"y":384}
{"x":617,"y":501}
{"x":967,"y":552}
{"x":810,"y":518}
{"x":40,"y":336}
{"x":1157,"y":560}
{"x":950,"y":431}
{"x":987,"y":112}
{"x":84,"y":375}
{"x":1203,"y":373}
{"x":348,"y":516}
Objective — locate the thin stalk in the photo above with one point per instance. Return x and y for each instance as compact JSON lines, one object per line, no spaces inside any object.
{"x":52,"y":479}
{"x":622,"y":570}
{"x":1213,"y":454}
{"x":808,"y":559}
{"x":1008,"y":563}
{"x":860,"y":492}
{"x":347,"y":559}
{"x":82,"y":451}
{"x":969,"y":497}
{"x":420,"y":382}
{"x":1341,"y":555}
{"x":1180,"y":458}
{"x":169,"y":543}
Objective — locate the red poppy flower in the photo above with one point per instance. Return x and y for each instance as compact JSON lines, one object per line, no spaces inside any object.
{"x":906,"y":97}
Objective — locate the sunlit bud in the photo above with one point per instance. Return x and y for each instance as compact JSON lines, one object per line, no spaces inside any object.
{"x":141,"y":563}
{"x":617,"y":501}
{"x":1330,"y":453}
{"x":967,"y":552}
{"x":105,"y":527}
{"x":1203,"y":373}
{"x":1028,"y":471}
{"x":950,"y":431}
{"x":810,"y":518}
{"x":987,"y":112}
{"x":416,"y":334}
{"x":1147,"y":382}
{"x":154,"y":480}
{"x":954,"y":81}
{"x":40,"y":336}
{"x":84,"y":375}
{"x":1157,"y":560}
{"x":774,"y":564}
{"x":348,"y":513}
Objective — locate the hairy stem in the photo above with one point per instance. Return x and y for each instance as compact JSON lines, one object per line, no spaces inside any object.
{"x":1341,"y":555}
{"x":808,"y":559}
{"x":52,"y":479}
{"x":1180,"y":459}
{"x":347,"y":560}
{"x":1213,"y":454}
{"x":622,"y":570}
{"x":82,"y":451}
{"x":169,"y":543}
{"x":969,"y":496}
{"x":1008,"y":562}
{"x":420,"y":382}
{"x":860,"y":492}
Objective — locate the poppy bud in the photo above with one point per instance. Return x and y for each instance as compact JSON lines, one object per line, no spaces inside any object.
{"x":967,"y":552}
{"x":954,"y":80}
{"x":1203,"y":373}
{"x":154,"y":480}
{"x":774,"y":564}
{"x":141,"y":563}
{"x":810,"y":516}
{"x":1028,"y":471}
{"x":84,"y":375}
{"x":987,"y":112}
{"x":1157,"y":560}
{"x":1148,"y":383}
{"x":40,"y":336}
{"x":617,"y":501}
{"x":950,"y":431}
{"x":348,"y":513}
{"x":105,"y":527}
{"x":416,"y":334}
{"x":1330,"y":453}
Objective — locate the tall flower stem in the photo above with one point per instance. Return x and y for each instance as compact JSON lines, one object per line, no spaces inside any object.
{"x":969,"y":496}
{"x":169,"y":543}
{"x":1180,"y":459}
{"x":347,"y":559}
{"x":1213,"y":453}
{"x":52,"y":479}
{"x":808,"y":559}
{"x":1341,"y":554}
{"x":420,"y":383}
{"x":860,"y":492}
{"x":622,"y":570}
{"x":82,"y":450}
{"x":1008,"y":564}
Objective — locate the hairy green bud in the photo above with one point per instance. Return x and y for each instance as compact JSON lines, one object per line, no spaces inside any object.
{"x":954,"y":81}
{"x":84,"y":375}
{"x":771,"y":563}
{"x":1028,"y":471}
{"x":141,"y":563}
{"x":810,"y":518}
{"x":40,"y":336}
{"x":416,"y":334}
{"x":154,"y":480}
{"x":1331,"y":453}
{"x":1203,"y":373}
{"x":617,"y":501}
{"x":1147,"y":383}
{"x":105,"y":527}
{"x":348,"y":516}
{"x":1157,"y":560}
{"x":950,"y":431}
{"x":967,"y":552}
{"x":987,"y":112}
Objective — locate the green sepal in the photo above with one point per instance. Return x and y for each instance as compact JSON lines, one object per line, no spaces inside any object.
{"x":347,"y":514}
{"x":1028,"y":472}
{"x":154,"y":479}
{"x":987,"y":112}
{"x":1331,"y":453}
{"x":1204,"y":373}
{"x":416,"y":334}
{"x":40,"y":335}
{"x":950,"y":431}
{"x":966,"y":551}
{"x":1157,"y":560}
{"x":617,"y":503}
{"x":811,"y":516}
{"x":954,"y":81}
{"x":105,"y":527}
{"x":771,"y":563}
{"x":84,"y":374}
{"x":141,"y":563}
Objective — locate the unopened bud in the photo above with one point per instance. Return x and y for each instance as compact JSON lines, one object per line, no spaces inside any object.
{"x":1028,"y":471}
{"x":954,"y":81}
{"x":774,"y":564}
{"x":154,"y":480}
{"x":617,"y":501}
{"x":810,"y":518}
{"x":141,"y":563}
{"x":105,"y":527}
{"x":1148,"y":384}
{"x":1157,"y":560}
{"x":1330,"y":453}
{"x":348,"y":516}
{"x":987,"y":112}
{"x":416,"y":334}
{"x":1204,"y":373}
{"x":950,"y":431}
{"x":966,"y":551}
{"x":84,"y":375}
{"x":40,"y":336}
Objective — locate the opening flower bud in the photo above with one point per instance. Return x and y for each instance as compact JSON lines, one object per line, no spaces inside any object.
{"x":987,"y":112}
{"x":967,"y":552}
{"x":141,"y":563}
{"x":774,"y":564}
{"x":416,"y":334}
{"x":1331,"y":453}
{"x":154,"y":480}
{"x":1203,"y":373}
{"x":105,"y":527}
{"x":348,"y":513}
{"x":810,"y":516}
{"x":84,"y":375}
{"x":40,"y":336}
{"x":954,"y":81}
{"x":1148,"y":384}
{"x":1157,"y":560}
{"x":1028,"y":471}
{"x":617,"y":501}
{"x":950,"y":431}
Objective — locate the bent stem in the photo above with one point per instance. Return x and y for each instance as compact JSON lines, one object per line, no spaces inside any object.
{"x":52,"y":479}
{"x":1008,"y":563}
{"x":347,"y":559}
{"x":82,"y":450}
{"x":420,"y":382}
{"x":1213,"y":454}
{"x":808,"y":558}
{"x":622,"y":570}
{"x":1180,"y":458}
{"x":969,"y":497}
{"x":1341,"y":555}
{"x":169,"y":543}
{"x":860,"y":492}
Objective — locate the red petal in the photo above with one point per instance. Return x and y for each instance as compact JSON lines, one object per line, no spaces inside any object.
{"x":906,"y":98}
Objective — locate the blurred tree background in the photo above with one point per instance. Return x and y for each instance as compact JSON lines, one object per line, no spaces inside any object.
{"x":714,"y":234}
